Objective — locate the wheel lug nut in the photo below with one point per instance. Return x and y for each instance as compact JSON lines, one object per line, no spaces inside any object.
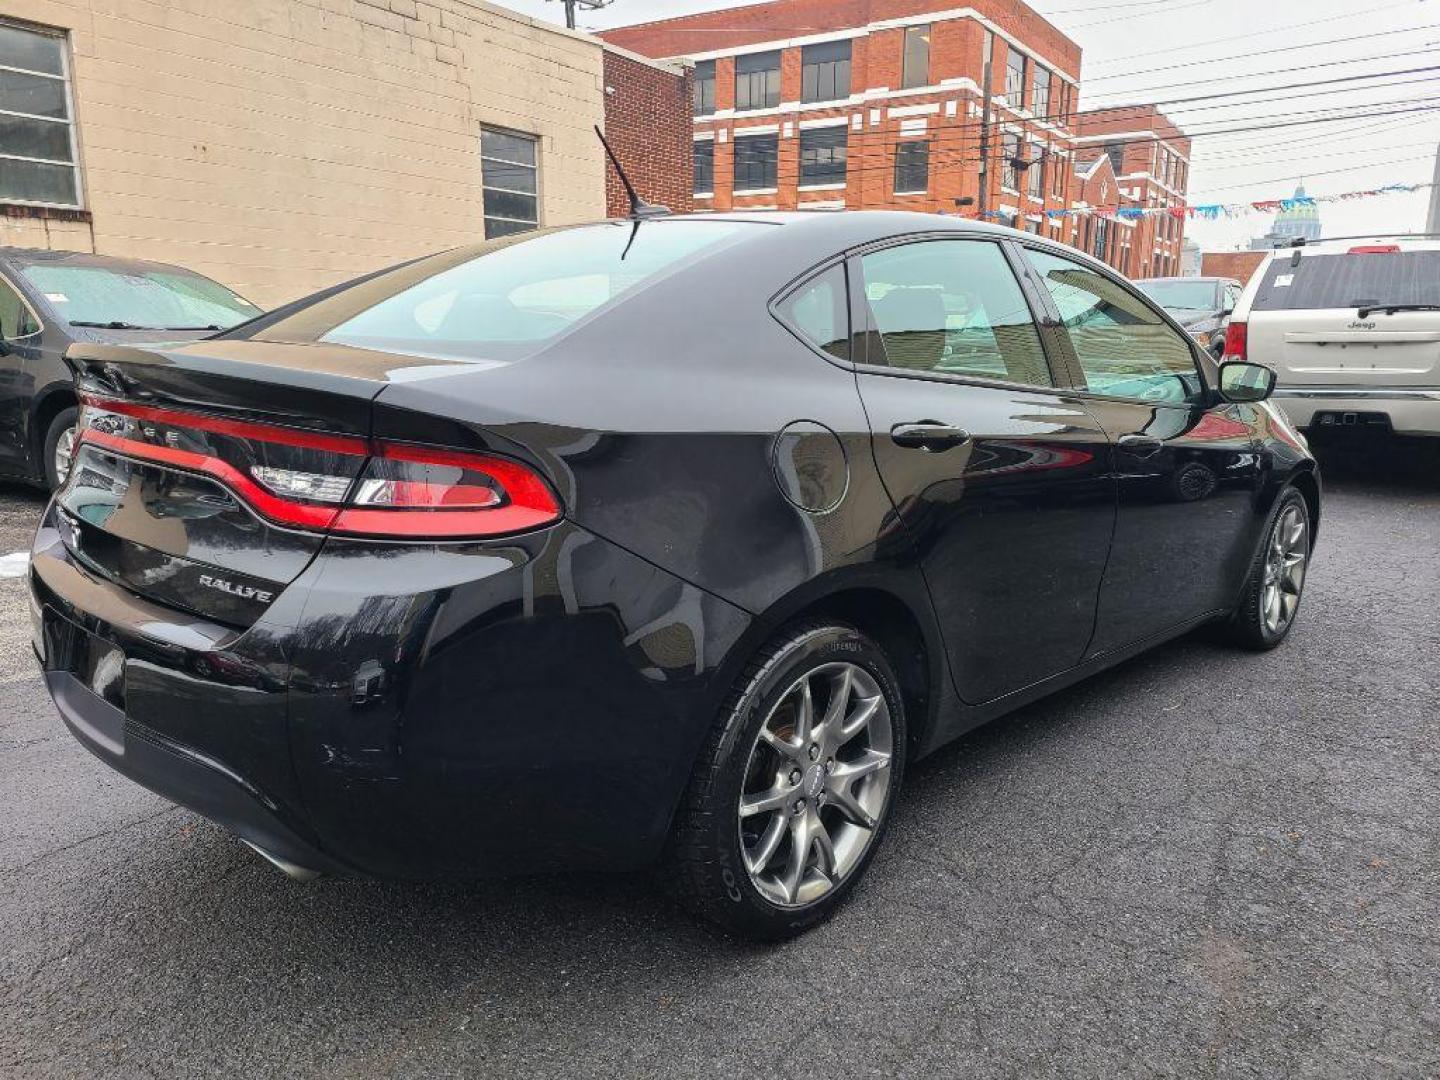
{"x":814,"y":752}
{"x":830,"y":765}
{"x":799,"y":806}
{"x":794,"y":776}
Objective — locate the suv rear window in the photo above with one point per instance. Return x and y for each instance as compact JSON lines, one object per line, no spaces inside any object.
{"x":1350,"y":280}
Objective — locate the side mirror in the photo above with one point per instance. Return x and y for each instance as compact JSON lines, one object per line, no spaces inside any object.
{"x":1225,"y":313}
{"x":1243,"y":382}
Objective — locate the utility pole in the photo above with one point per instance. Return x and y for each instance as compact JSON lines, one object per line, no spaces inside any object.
{"x":1432,"y":220}
{"x":985,"y":85}
{"x":588,"y":5}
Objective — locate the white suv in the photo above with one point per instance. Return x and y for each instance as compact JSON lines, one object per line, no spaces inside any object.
{"x":1352,"y":329}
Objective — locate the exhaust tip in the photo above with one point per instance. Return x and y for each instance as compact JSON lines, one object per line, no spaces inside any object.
{"x":289,"y":869}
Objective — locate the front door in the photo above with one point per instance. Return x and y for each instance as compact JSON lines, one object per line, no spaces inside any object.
{"x":1000,"y":477}
{"x":1185,"y":464}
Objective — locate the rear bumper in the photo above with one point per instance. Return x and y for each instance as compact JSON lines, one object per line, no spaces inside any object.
{"x":1409,"y":410}
{"x":406,"y":711}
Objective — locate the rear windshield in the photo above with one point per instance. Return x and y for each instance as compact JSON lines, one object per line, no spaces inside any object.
{"x":1181,"y":295}
{"x":162,"y":298}
{"x":1350,"y":281}
{"x":505,"y":299}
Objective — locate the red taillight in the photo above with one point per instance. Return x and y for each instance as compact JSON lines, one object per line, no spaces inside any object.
{"x":1374,"y":249}
{"x":331,"y":483}
{"x":1236,"y":341}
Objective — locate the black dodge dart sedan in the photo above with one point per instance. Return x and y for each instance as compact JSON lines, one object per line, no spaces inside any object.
{"x":51,"y":299}
{"x":674,"y":539}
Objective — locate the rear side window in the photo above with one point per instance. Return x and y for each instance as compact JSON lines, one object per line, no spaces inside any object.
{"x":819,"y":312}
{"x":506,"y":299}
{"x":953,"y":307}
{"x":1123,"y":347}
{"x":1350,"y":280}
{"x":15,"y":318}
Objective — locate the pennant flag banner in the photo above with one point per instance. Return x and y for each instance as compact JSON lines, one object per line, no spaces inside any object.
{"x":1212,"y":211}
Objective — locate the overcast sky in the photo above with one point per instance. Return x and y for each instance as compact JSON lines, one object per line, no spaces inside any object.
{"x":1136,"y":50}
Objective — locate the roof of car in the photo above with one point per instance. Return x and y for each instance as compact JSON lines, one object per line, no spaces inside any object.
{"x":21,"y":257}
{"x":881,"y":223}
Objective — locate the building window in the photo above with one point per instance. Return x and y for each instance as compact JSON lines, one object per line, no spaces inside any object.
{"x":757,"y":81}
{"x":912,"y":167}
{"x":1040,"y":95}
{"x":1035,"y":174}
{"x":37,"y":139}
{"x":1058,"y":167}
{"x":1099,"y":238}
{"x":915,"y":62}
{"x":1015,"y":79}
{"x":825,"y":71}
{"x":822,"y":155}
{"x":704,"y":167}
{"x":1009,"y":152}
{"x":509,"y":174}
{"x":703,"y":84}
{"x":755,"y":158}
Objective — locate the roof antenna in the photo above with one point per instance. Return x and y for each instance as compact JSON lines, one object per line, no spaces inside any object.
{"x":639,"y":208}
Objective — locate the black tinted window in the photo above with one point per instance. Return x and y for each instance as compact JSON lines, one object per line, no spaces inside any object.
{"x":1350,"y":281}
{"x":953,"y":307}
{"x":819,"y":310}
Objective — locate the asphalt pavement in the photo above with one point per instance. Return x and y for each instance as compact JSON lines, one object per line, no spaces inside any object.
{"x":1204,"y":863}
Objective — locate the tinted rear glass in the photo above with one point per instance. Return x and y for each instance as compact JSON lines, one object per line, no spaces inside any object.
{"x":1350,"y":281}
{"x":505,"y":299}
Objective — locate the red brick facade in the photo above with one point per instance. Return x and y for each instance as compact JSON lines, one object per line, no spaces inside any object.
{"x":1151,"y":161}
{"x":942,"y":109}
{"x":1231,"y":264}
{"x":647,"y":123}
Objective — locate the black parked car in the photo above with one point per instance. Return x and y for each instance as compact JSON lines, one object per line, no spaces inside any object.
{"x":52,"y":299}
{"x":1202,"y":305}
{"x":672,"y":539}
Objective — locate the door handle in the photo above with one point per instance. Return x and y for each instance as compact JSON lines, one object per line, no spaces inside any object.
{"x":930,"y":435}
{"x":1141,"y":445}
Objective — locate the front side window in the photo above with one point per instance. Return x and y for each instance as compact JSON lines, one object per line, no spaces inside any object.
{"x":146,"y":298}
{"x":1123,"y":346}
{"x":1009,"y":154}
{"x":37,"y":145}
{"x":704,"y":167}
{"x":819,"y":311}
{"x":822,"y":155}
{"x":509,"y":172}
{"x":16,"y":320}
{"x":757,"y":81}
{"x":1014,"y":79}
{"x":1040,"y":95}
{"x":915,"y":61}
{"x":504,"y":300}
{"x":912,"y":167}
{"x":825,"y":71}
{"x":703,"y":87}
{"x":953,"y":307}
{"x":755,"y":162}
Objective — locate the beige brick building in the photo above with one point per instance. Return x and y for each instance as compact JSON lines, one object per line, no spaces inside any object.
{"x":280,"y":146}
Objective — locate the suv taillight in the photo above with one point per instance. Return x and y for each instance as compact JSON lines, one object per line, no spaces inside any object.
{"x":331,"y":483}
{"x":1236,"y":341}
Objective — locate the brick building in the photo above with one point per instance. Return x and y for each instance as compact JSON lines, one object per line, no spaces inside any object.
{"x":647,"y":123}
{"x":876,"y":104}
{"x":1150,"y":160}
{"x":281,"y":146}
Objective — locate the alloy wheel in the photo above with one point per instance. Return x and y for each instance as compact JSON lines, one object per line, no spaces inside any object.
{"x":816,"y":784}
{"x":1285,"y":561}
{"x":64,"y":454}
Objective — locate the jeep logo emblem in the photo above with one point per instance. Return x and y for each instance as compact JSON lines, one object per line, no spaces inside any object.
{"x":1356,"y":324}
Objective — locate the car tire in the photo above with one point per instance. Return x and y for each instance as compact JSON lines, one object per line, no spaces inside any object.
{"x":716,"y":857}
{"x":56,"y":446}
{"x":1276,"y":577}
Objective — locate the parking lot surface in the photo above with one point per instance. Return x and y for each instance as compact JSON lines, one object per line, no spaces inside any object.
{"x":1203,"y":863}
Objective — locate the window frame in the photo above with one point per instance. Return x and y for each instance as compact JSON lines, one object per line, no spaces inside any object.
{"x":1018,"y":94}
{"x":847,"y":60}
{"x":72,"y":124}
{"x":537,"y":194}
{"x":748,"y":77}
{"x":812,"y":184}
{"x":762,"y":189}
{"x":924,"y":31}
{"x":695,"y":145}
{"x":803,"y":281}
{"x":697,"y":94}
{"x":895,"y":188}
{"x":865,"y":335}
{"x":1075,"y":377}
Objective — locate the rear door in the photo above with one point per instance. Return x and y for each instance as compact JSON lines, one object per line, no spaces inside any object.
{"x":1304,"y":317}
{"x":1186,"y":466}
{"x":1000,"y":478}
